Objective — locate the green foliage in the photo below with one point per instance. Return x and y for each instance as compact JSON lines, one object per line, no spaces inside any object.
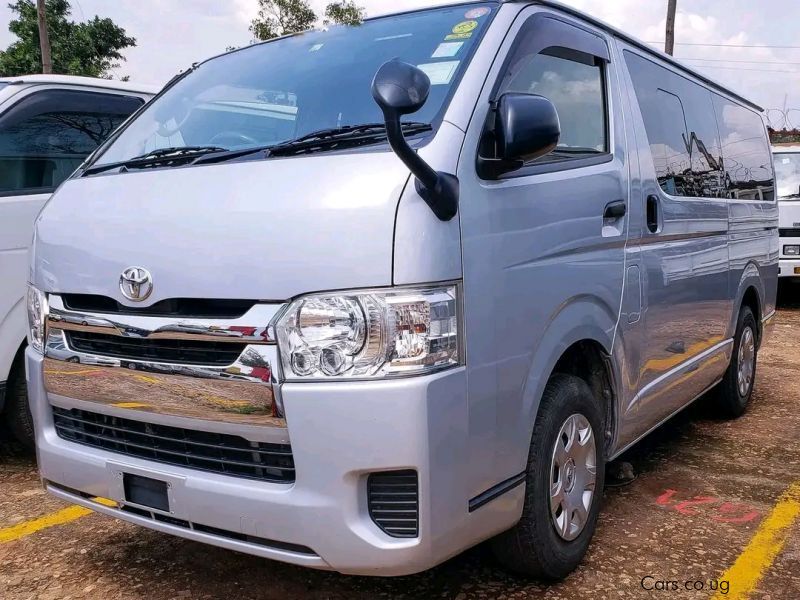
{"x":91,"y":49}
{"x":283,"y":17}
{"x":346,"y":12}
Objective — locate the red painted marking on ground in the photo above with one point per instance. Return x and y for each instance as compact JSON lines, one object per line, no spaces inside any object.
{"x":745,"y":513}
{"x":685,"y":507}
{"x":726,"y":512}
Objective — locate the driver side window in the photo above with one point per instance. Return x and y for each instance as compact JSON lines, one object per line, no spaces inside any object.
{"x":574,"y":83}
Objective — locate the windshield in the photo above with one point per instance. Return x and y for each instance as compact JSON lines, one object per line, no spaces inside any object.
{"x":787,"y":173}
{"x":282,"y":90}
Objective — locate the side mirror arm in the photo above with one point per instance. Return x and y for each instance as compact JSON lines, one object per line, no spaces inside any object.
{"x":439,"y":190}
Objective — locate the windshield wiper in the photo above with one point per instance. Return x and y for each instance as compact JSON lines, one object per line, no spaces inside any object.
{"x":157,"y":157}
{"x":324,"y":139}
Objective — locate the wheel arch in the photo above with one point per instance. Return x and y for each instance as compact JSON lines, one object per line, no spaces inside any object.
{"x":750,"y":293}
{"x":13,"y":332}
{"x":580,"y":337}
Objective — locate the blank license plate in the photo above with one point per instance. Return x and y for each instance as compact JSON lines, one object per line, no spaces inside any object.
{"x":146,"y":492}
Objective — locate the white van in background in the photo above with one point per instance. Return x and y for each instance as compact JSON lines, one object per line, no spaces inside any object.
{"x":787,"y":174}
{"x":49,"y":124}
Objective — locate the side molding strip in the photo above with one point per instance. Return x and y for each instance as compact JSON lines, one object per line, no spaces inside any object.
{"x":496,"y":491}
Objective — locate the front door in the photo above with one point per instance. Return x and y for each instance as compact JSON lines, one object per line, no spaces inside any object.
{"x":542,"y":266}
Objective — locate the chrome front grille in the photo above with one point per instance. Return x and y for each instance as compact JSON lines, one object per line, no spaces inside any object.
{"x":199,"y":450}
{"x":219,"y":370}
{"x":175,"y":351}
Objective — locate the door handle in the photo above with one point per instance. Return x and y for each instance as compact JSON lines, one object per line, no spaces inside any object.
{"x":615,"y":210}
{"x":652,"y":213}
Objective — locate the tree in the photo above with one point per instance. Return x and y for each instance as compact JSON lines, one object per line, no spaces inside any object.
{"x":92,"y":48}
{"x":346,"y":12}
{"x":282,"y":17}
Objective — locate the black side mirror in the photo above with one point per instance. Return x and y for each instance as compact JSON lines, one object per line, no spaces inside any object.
{"x":526,"y":127}
{"x":401,"y":89}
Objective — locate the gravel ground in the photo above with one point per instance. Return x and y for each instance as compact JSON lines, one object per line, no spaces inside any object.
{"x":703,"y":487}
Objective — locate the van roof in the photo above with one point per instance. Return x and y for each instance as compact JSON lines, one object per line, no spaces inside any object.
{"x":640,"y":45}
{"x":84,"y":81}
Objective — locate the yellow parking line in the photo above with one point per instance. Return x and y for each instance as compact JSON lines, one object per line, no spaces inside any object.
{"x":29,"y":527}
{"x":84,"y":372}
{"x":130,"y":405}
{"x":764,"y":548}
{"x":61,"y":517}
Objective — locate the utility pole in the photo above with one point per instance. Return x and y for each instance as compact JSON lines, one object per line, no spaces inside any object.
{"x":669,"y":47}
{"x":44,"y":38}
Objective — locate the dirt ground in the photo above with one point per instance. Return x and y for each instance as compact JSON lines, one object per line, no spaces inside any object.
{"x":703,"y":489}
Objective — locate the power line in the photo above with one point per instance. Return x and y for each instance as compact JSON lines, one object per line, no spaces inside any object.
{"x":725,"y":60}
{"x":744,"y":69}
{"x":729,"y":45}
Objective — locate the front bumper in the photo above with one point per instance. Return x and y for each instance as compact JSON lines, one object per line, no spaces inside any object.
{"x":340,"y":432}
{"x":789,"y":267}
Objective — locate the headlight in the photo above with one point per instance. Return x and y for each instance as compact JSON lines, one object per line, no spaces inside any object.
{"x":791,"y":250}
{"x":370,"y":334}
{"x":37,"y":313}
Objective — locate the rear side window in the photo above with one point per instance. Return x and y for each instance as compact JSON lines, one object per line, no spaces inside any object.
{"x":576,"y":89}
{"x":748,"y":160}
{"x":47,"y":135}
{"x":681,"y":128}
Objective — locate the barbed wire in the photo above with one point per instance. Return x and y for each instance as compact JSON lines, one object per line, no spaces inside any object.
{"x":783,"y":118}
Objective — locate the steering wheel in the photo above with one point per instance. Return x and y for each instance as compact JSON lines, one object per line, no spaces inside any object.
{"x":235,"y":138}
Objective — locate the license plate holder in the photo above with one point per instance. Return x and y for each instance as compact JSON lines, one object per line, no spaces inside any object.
{"x":144,"y":491}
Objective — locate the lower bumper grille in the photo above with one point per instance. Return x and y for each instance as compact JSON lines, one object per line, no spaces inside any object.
{"x":186,"y":352}
{"x":393,"y":499}
{"x":200,"y":450}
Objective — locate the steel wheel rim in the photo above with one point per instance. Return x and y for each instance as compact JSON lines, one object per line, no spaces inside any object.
{"x":573,"y":477}
{"x":746,"y":362}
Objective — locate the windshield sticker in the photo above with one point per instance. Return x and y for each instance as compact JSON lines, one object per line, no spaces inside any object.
{"x":465,"y":27}
{"x":458,"y":36}
{"x":440,"y":73}
{"x":477,"y":13}
{"x":786,"y":161}
{"x":447,"y":50}
{"x":316,"y":48}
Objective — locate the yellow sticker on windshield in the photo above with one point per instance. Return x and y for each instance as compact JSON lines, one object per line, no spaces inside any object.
{"x":458,"y":36}
{"x":465,"y":27}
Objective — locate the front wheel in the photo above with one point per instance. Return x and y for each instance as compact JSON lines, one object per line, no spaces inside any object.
{"x":564,"y":484}
{"x":18,"y":412}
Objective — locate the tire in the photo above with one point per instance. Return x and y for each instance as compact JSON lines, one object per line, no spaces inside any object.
{"x":533,"y":547}
{"x":732,"y":399}
{"x":17,"y":411}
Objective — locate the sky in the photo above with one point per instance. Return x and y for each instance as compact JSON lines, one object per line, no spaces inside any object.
{"x":173,"y":34}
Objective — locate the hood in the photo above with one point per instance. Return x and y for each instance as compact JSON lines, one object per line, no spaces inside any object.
{"x":261,"y":230}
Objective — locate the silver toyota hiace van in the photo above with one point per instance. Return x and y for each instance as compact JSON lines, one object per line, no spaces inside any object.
{"x":361,"y":298}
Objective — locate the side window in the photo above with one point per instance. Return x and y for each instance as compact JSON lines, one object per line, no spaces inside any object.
{"x":668,"y":145}
{"x":745,"y":148}
{"x":47,"y":135}
{"x":573,"y":82}
{"x":681,"y":129}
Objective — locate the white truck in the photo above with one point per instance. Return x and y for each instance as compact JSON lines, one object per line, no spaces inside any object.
{"x":787,"y":174}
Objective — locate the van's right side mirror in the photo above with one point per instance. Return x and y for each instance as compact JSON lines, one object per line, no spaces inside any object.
{"x":525,"y":127}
